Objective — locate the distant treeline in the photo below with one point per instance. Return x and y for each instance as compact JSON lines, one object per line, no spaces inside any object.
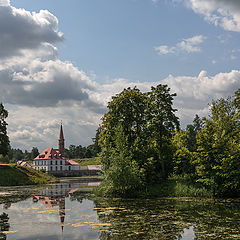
{"x":79,"y":151}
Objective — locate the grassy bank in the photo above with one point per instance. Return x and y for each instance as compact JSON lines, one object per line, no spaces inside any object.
{"x":177,"y":187}
{"x":88,"y":161}
{"x":12,"y":175}
{"x":172,"y":187}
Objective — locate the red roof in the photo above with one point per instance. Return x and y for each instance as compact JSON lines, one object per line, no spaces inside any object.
{"x":21,"y":163}
{"x":71,"y":162}
{"x":49,"y":153}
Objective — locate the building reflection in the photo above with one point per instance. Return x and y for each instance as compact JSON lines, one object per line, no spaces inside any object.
{"x":54,"y":196}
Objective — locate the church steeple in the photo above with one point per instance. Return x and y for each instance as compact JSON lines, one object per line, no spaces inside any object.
{"x":61,"y":141}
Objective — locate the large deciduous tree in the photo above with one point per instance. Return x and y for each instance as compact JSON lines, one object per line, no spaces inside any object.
{"x":147,"y":121}
{"x":4,"y":140}
{"x":162,"y":122}
{"x":218,"y":149}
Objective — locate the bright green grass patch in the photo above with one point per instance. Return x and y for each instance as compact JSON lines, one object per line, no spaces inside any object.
{"x":13,"y":175}
{"x":88,"y":161}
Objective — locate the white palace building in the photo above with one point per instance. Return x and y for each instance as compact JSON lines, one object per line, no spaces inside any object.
{"x":52,"y":160}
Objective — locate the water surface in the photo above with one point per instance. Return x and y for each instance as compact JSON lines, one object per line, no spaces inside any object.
{"x":69,"y":211}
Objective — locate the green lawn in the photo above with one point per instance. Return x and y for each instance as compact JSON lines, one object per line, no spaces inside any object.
{"x":88,"y":161}
{"x":13,"y":175}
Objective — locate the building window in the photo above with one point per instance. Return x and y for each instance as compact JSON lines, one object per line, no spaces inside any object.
{"x":69,"y":168}
{"x":61,"y":162}
{"x":61,"y":168}
{"x":56,"y":162}
{"x":51,"y":168}
{"x":51,"y":162}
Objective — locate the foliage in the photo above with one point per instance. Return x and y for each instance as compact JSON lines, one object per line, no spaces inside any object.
{"x":122,"y":175}
{"x":75,"y":152}
{"x":4,"y":140}
{"x":193,"y":130}
{"x":218,"y":149}
{"x":178,"y":186}
{"x":162,"y":122}
{"x":145,"y":123}
{"x":34,"y":152}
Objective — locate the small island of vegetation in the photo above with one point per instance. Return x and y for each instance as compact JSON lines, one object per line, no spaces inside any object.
{"x":146,"y":153}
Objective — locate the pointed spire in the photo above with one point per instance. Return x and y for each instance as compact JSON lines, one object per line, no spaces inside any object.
{"x":61,"y":137}
{"x":61,"y":140}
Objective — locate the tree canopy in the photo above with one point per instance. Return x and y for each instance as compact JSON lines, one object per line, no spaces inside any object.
{"x":145,"y":122}
{"x":4,"y":140}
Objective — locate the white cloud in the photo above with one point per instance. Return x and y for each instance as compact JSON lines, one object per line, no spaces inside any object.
{"x":224,"y":13}
{"x":4,"y":3}
{"x":37,"y":88}
{"x":188,"y":45}
{"x":30,"y":72}
{"x":164,"y":49}
{"x":21,"y":29}
{"x":40,"y":126}
{"x":40,"y":90}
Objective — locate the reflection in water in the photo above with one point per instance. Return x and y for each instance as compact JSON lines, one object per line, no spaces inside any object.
{"x":188,"y":234}
{"x":4,"y":226}
{"x":55,"y":196}
{"x":67,"y":211}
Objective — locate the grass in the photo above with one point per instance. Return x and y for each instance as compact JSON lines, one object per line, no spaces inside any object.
{"x":88,"y":161}
{"x":178,"y":187}
{"x":13,"y":175}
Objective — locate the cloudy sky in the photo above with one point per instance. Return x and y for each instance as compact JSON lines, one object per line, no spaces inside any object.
{"x":64,"y":59}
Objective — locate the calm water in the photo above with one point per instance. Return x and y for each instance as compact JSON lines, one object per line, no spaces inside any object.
{"x":68,"y":211}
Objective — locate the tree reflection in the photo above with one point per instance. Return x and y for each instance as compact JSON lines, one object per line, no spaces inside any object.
{"x":168,"y":219}
{"x":4,"y":225}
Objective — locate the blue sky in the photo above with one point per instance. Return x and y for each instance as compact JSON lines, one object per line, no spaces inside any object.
{"x":116,"y":38}
{"x":67,"y":58}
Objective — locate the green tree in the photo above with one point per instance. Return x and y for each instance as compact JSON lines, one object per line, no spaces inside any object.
{"x":122,"y":175}
{"x":162,"y":123}
{"x":128,"y":109}
{"x":217,"y":162}
{"x":147,"y":122}
{"x":34,"y":152}
{"x":193,"y":130}
{"x":4,"y":140}
{"x":182,"y":157}
{"x":236,"y":103}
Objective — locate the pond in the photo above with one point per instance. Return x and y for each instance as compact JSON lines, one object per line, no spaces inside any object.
{"x":69,"y":210}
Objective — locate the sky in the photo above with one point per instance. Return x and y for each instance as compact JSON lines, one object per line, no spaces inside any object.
{"x":62,"y":60}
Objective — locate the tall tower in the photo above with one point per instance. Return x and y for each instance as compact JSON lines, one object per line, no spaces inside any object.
{"x":61,"y":141}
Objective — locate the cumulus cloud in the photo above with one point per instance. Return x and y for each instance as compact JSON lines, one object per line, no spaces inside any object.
{"x":30,"y":72}
{"x":21,"y":30}
{"x":194,"y":93}
{"x":40,"y":90}
{"x":4,"y":3}
{"x":187,"y":45}
{"x":224,"y":13}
